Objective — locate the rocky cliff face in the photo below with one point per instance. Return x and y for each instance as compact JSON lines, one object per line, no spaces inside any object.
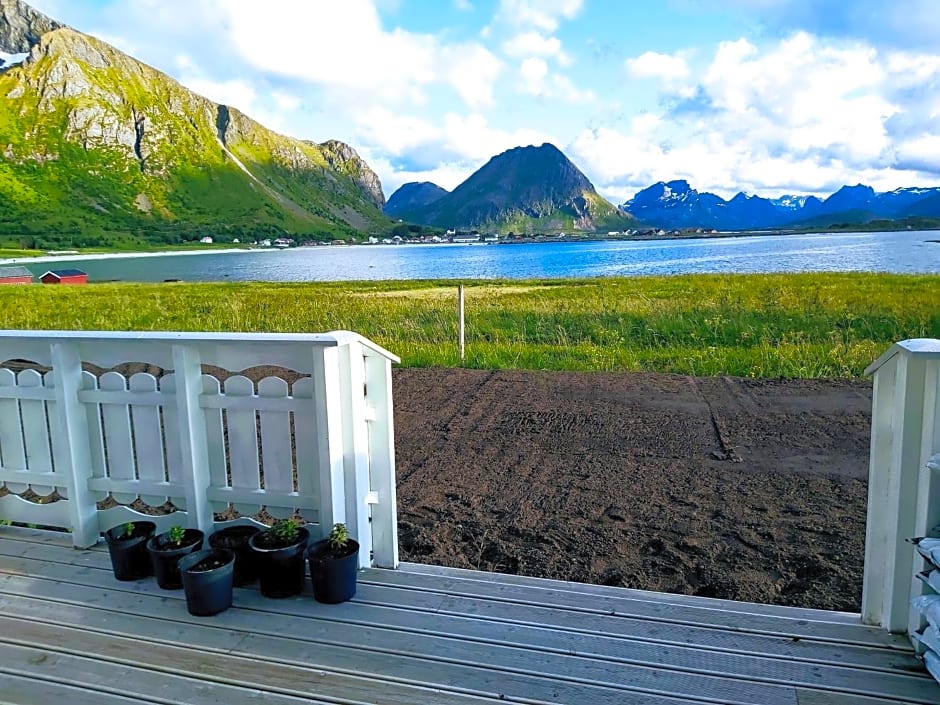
{"x":94,"y":139}
{"x":346,"y":160}
{"x":21,"y":27}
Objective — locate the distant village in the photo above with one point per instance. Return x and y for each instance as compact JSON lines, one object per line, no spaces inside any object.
{"x":470,"y":237}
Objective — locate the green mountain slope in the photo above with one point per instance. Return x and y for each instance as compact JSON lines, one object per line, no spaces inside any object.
{"x":526,"y":189}
{"x":97,"y":148}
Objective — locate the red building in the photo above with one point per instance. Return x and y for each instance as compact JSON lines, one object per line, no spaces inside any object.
{"x":64,"y":276}
{"x":15,"y":275}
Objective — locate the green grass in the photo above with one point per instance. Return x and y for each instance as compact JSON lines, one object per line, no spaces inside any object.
{"x":804,"y":325}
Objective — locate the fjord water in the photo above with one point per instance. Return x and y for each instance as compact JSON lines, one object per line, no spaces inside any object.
{"x":899,"y":252}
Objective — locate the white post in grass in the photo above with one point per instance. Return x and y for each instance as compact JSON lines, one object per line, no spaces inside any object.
{"x":903,"y":492}
{"x":460,"y":322}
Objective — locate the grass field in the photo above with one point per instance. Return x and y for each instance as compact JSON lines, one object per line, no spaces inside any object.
{"x":803,"y":325}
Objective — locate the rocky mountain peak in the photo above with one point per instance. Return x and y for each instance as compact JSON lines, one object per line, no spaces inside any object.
{"x":523,"y":189}
{"x":346,"y":160}
{"x":21,"y":27}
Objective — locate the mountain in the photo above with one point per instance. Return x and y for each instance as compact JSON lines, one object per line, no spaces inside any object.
{"x":97,"y":148}
{"x":677,"y":205}
{"x":526,"y":189}
{"x":412,"y":198}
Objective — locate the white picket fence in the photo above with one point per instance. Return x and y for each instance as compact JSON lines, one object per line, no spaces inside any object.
{"x":904,"y":488}
{"x":323,"y":446}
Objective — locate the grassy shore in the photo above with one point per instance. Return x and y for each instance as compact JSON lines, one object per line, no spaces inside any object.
{"x":802,"y":325}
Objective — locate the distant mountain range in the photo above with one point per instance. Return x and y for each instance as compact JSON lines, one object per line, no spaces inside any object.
{"x":677,"y":205}
{"x":526,"y":189}
{"x":97,"y":148}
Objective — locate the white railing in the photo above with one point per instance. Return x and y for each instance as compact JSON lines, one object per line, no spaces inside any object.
{"x":322,"y":446}
{"x":904,"y":482}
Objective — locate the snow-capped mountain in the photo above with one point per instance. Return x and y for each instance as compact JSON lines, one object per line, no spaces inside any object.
{"x":675,"y":204}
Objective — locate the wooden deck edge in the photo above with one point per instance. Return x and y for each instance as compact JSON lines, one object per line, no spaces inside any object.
{"x":812,"y":614}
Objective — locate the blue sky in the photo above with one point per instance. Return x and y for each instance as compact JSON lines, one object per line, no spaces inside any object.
{"x":765,"y":96}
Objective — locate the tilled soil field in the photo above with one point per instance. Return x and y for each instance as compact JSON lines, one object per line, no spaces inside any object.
{"x":736,"y":488}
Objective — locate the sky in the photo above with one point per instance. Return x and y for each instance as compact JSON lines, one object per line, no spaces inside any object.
{"x":769,"y":97}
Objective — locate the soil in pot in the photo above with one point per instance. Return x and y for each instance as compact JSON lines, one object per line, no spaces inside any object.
{"x":280,"y":562}
{"x":165,"y":552}
{"x":333,"y":570}
{"x":127,"y":545}
{"x":208,"y":578}
{"x":235,"y":539}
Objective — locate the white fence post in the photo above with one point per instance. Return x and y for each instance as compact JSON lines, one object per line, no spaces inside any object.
{"x":356,"y":449}
{"x":328,"y":402}
{"x":382,"y":462}
{"x":75,"y":449}
{"x":902,"y":500}
{"x":192,"y":436}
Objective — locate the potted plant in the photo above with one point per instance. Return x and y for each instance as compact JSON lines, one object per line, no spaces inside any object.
{"x":165,"y":551}
{"x":127,"y":545}
{"x":333,"y":565}
{"x":235,"y":538}
{"x":208,"y":578}
{"x":279,"y":555}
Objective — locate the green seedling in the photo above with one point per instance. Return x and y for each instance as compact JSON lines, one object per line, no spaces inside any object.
{"x":284,"y":531}
{"x":128,"y":529}
{"x":338,"y":537}
{"x":177,"y":533}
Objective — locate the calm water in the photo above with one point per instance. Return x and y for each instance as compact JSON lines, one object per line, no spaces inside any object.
{"x":905,"y":252}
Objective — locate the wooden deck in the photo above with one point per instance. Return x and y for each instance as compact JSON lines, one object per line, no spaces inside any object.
{"x":423,"y":635}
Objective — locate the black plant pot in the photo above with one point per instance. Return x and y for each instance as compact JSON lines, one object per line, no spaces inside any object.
{"x":165,"y":556}
{"x":334,"y":577}
{"x":280,"y":570}
{"x":235,"y":538}
{"x":129,"y":558}
{"x":208,"y":587}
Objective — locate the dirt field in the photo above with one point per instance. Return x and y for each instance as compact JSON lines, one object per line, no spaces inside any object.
{"x":737,"y":488}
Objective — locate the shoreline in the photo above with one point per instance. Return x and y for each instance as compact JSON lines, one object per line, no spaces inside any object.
{"x":126,"y":255}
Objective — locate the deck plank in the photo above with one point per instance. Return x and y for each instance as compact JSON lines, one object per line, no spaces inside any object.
{"x":181,"y":673}
{"x":44,"y":676}
{"x":30,"y":690}
{"x":605,"y":650}
{"x":633,"y":593}
{"x":614,"y":605}
{"x":353,"y":620}
{"x":374,"y":589}
{"x":624,"y":648}
{"x":469,"y":666}
{"x":426,"y":635}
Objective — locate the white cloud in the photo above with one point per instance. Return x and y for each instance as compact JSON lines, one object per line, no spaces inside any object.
{"x":532,"y":44}
{"x":463,"y":5}
{"x":533,"y":72}
{"x":238,"y":94}
{"x":652,"y":64}
{"x":798,"y":115}
{"x":545,"y":15}
{"x":353,"y":53}
{"x":285,"y":101}
{"x":473,"y":71}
